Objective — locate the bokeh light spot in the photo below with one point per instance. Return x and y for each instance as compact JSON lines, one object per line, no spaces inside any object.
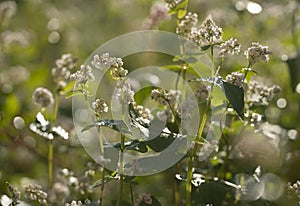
{"x":54,"y":37}
{"x":284,"y":57}
{"x":53,"y":24}
{"x":281,"y":103}
{"x":240,"y":6}
{"x":273,"y":187}
{"x":292,"y":134}
{"x":298,"y":88}
{"x":19,"y":122}
{"x":254,"y":8}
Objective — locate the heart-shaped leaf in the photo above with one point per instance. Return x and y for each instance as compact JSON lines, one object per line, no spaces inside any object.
{"x":235,"y":96}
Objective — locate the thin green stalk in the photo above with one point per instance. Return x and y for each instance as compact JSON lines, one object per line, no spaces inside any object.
{"x":50,"y":164}
{"x":50,"y":145}
{"x":131,"y":194}
{"x":102,"y":187}
{"x":198,"y":137}
{"x":103,"y":171}
{"x":55,"y":109}
{"x":98,"y":128}
{"x":246,"y":73}
{"x":188,"y":187}
{"x":121,"y":166}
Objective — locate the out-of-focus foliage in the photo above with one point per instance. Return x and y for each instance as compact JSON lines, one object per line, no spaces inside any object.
{"x":34,"y":33}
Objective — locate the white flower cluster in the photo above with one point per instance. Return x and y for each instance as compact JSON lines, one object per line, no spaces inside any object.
{"x":145,"y":198}
{"x":202,"y":92}
{"x":169,"y":99}
{"x":74,"y":203}
{"x":260,"y":94}
{"x":186,"y":25}
{"x":294,"y":188}
{"x":231,"y":46}
{"x":158,"y":13}
{"x":165,"y":97}
{"x":145,"y":113}
{"x":210,"y":31}
{"x":235,"y":78}
{"x":83,"y":75}
{"x":7,"y":10}
{"x":43,"y":97}
{"x":257,"y":52}
{"x":171,"y":4}
{"x":124,"y":93}
{"x":35,"y":192}
{"x":15,"y":193}
{"x":13,"y":76}
{"x":100,"y":106}
{"x":113,"y":63}
{"x":62,"y":71}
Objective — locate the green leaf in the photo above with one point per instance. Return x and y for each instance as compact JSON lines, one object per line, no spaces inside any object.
{"x":161,"y":142}
{"x":117,"y":125}
{"x":180,"y":9}
{"x":173,"y":127}
{"x":249,"y":73}
{"x":135,"y":145}
{"x":12,"y":105}
{"x":211,"y":192}
{"x":205,"y":47}
{"x":294,"y":69}
{"x":77,"y":92}
{"x":98,"y":183}
{"x":69,"y":87}
{"x":42,"y":127}
{"x":235,"y":96}
{"x":142,"y":94}
{"x":181,"y":13}
{"x":177,"y":68}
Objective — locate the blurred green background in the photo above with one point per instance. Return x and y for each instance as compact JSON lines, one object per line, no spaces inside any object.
{"x":34,"y":33}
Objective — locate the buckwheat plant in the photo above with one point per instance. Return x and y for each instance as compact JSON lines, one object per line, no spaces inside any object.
{"x":15,"y":194}
{"x":99,"y":106}
{"x":241,"y":91}
{"x":47,"y":100}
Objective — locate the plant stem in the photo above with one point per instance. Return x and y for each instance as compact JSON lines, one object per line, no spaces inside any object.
{"x":103,"y":169}
{"x":102,"y":186}
{"x":188,"y":187}
{"x":50,"y":164}
{"x":121,"y":170}
{"x":131,"y":193}
{"x":50,"y":147}
{"x":199,"y":135}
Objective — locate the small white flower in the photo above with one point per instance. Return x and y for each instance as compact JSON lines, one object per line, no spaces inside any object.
{"x":100,"y":106}
{"x":83,"y":75}
{"x":124,"y":93}
{"x":231,"y":46}
{"x":187,"y":24}
{"x":102,"y":62}
{"x":257,"y":52}
{"x":235,"y":78}
{"x":201,"y":92}
{"x":146,"y":198}
{"x":210,"y":31}
{"x":61,"y":73}
{"x":43,"y":97}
